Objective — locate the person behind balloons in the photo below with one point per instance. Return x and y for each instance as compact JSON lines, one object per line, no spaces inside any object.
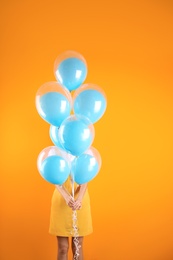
{"x":71,"y":195}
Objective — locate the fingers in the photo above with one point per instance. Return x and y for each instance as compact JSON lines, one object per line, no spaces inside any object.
{"x":77,"y":205}
{"x":70,"y":201}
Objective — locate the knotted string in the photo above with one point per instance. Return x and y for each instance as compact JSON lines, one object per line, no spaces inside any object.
{"x":75,"y":228}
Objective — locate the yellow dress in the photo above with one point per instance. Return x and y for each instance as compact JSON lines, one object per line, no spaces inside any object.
{"x":61,"y":221}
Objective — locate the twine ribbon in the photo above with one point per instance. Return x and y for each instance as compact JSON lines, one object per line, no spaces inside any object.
{"x":75,"y":228}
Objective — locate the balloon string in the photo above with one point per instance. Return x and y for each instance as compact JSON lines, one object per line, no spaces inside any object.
{"x":75,"y":229}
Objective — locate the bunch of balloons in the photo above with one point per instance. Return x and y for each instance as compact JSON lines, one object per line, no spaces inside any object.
{"x":71,"y":119}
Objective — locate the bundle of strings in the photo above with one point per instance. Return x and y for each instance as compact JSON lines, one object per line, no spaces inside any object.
{"x":75,"y":230}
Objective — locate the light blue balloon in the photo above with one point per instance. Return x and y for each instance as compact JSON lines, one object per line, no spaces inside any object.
{"x":75,"y":136}
{"x":71,"y":73}
{"x":91,"y":104}
{"x":54,"y":108}
{"x":55,"y":170}
{"x":53,"y":131}
{"x":84,"y":168}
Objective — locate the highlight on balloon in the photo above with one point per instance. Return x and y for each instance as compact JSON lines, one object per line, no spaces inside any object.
{"x":71,"y":131}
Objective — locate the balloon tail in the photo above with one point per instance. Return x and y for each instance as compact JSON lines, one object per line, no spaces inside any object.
{"x":75,"y":229}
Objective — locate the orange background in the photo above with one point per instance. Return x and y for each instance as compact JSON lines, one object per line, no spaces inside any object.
{"x":128,"y":48}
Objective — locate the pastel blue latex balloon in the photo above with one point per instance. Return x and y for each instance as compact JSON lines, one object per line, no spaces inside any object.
{"x":55,"y":169}
{"x":84,"y":168}
{"x":54,"y":108}
{"x":76,"y":135}
{"x":71,"y":73}
{"x":53,"y":131}
{"x":91,"y":104}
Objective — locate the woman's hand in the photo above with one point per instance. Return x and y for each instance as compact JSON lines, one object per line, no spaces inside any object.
{"x":77,"y":204}
{"x":69,"y":200}
{"x":74,"y":204}
{"x":81,"y":191}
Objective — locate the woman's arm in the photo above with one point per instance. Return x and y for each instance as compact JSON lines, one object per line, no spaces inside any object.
{"x":78,"y":202}
{"x":82,"y":190}
{"x":66,"y":195}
